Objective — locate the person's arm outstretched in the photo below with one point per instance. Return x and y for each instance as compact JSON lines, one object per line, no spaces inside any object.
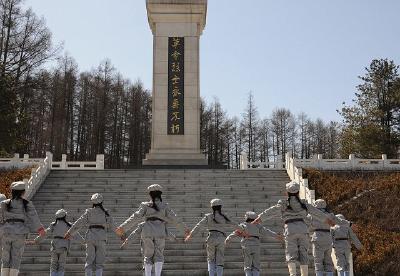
{"x":81,"y":222}
{"x":131,"y":221}
{"x":200,"y":225}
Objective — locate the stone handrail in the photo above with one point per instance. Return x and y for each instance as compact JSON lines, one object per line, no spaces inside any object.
{"x":79,"y":165}
{"x":42,"y":167}
{"x":352,"y":163}
{"x":38,"y":175}
{"x":295,"y":173}
{"x":17,"y":162}
{"x":245,"y":164}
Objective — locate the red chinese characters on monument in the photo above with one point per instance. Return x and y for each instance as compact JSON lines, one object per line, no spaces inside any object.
{"x":176,"y":58}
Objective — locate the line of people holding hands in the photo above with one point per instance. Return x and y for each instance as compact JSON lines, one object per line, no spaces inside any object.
{"x":150,"y":222}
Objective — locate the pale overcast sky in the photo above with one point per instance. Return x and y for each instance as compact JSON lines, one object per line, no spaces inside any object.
{"x":303,"y":55}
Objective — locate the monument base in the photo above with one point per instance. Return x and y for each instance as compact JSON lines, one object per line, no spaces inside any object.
{"x":175,"y":159}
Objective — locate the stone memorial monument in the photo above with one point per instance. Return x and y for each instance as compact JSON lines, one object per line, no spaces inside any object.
{"x":176,"y":26}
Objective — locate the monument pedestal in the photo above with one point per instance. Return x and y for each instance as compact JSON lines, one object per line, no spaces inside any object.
{"x":176,"y":26}
{"x":179,"y":159}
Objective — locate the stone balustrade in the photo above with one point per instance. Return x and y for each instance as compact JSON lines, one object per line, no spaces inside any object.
{"x":38,"y":175}
{"x":79,"y":165}
{"x":17,"y":162}
{"x":352,"y":163}
{"x":42,"y":167}
{"x":245,"y":164}
{"x":294,"y":168}
{"x":26,"y":161}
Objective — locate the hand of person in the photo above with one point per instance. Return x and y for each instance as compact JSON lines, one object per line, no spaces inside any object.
{"x":124,"y":243}
{"x":256,"y":221}
{"x":188,"y":237}
{"x":67,"y":236}
{"x":187,"y":232}
{"x":280,"y":238}
{"x":241,"y":233}
{"x":226,"y":242}
{"x":41,"y":231}
{"x":330,"y":222}
{"x":123,"y":237}
{"x":120,"y":232}
{"x":30,"y":242}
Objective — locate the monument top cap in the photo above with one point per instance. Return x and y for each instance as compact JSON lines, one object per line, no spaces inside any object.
{"x":177,"y":11}
{"x":176,"y":1}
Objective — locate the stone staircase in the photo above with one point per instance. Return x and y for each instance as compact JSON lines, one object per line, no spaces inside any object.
{"x":187,"y":191}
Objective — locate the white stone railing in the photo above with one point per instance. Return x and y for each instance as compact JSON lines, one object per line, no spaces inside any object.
{"x":79,"y":165}
{"x":245,"y":164}
{"x":42,"y":167}
{"x":38,"y":175}
{"x":17,"y":162}
{"x":295,"y":172}
{"x":352,"y":163}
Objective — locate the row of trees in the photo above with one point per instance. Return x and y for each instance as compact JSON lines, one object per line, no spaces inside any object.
{"x":264,"y":139}
{"x":84,"y":113}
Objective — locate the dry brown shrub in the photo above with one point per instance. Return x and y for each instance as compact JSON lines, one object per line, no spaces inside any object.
{"x":9,"y":176}
{"x":376,"y":214}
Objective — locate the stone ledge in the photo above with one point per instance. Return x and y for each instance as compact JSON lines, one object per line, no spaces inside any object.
{"x":177,"y":159}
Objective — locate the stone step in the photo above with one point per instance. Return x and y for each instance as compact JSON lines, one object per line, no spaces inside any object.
{"x":187,"y":191}
{"x":136,"y":270}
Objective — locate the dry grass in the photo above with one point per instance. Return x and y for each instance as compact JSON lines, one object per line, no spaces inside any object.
{"x":376,"y":214}
{"x":9,"y":176}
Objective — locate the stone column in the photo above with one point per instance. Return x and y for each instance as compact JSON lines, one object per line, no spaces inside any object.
{"x":176,"y":23}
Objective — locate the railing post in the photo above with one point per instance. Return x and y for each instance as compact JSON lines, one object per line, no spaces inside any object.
{"x":243,"y":161}
{"x":279,"y":163}
{"x":287,"y":160}
{"x":319,"y":161}
{"x":384,"y":161}
{"x":352,"y":160}
{"x":15,"y":160}
{"x":63,"y":161}
{"x":292,"y":161}
{"x":26,"y":158}
{"x":100,"y":161}
{"x":49,"y":155}
{"x":351,"y":264}
{"x":27,"y":186}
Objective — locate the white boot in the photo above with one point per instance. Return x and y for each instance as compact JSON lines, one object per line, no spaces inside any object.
{"x":147,"y":269}
{"x":292,"y":269}
{"x":158,"y":268}
{"x":5,"y":272}
{"x":220,"y":270}
{"x":211,"y":268}
{"x":14,"y":272}
{"x":304,"y":270}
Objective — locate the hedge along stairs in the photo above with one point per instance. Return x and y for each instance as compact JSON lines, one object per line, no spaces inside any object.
{"x":187,"y":191}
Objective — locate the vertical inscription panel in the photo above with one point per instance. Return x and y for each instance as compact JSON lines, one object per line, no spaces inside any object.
{"x":176,"y":84}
